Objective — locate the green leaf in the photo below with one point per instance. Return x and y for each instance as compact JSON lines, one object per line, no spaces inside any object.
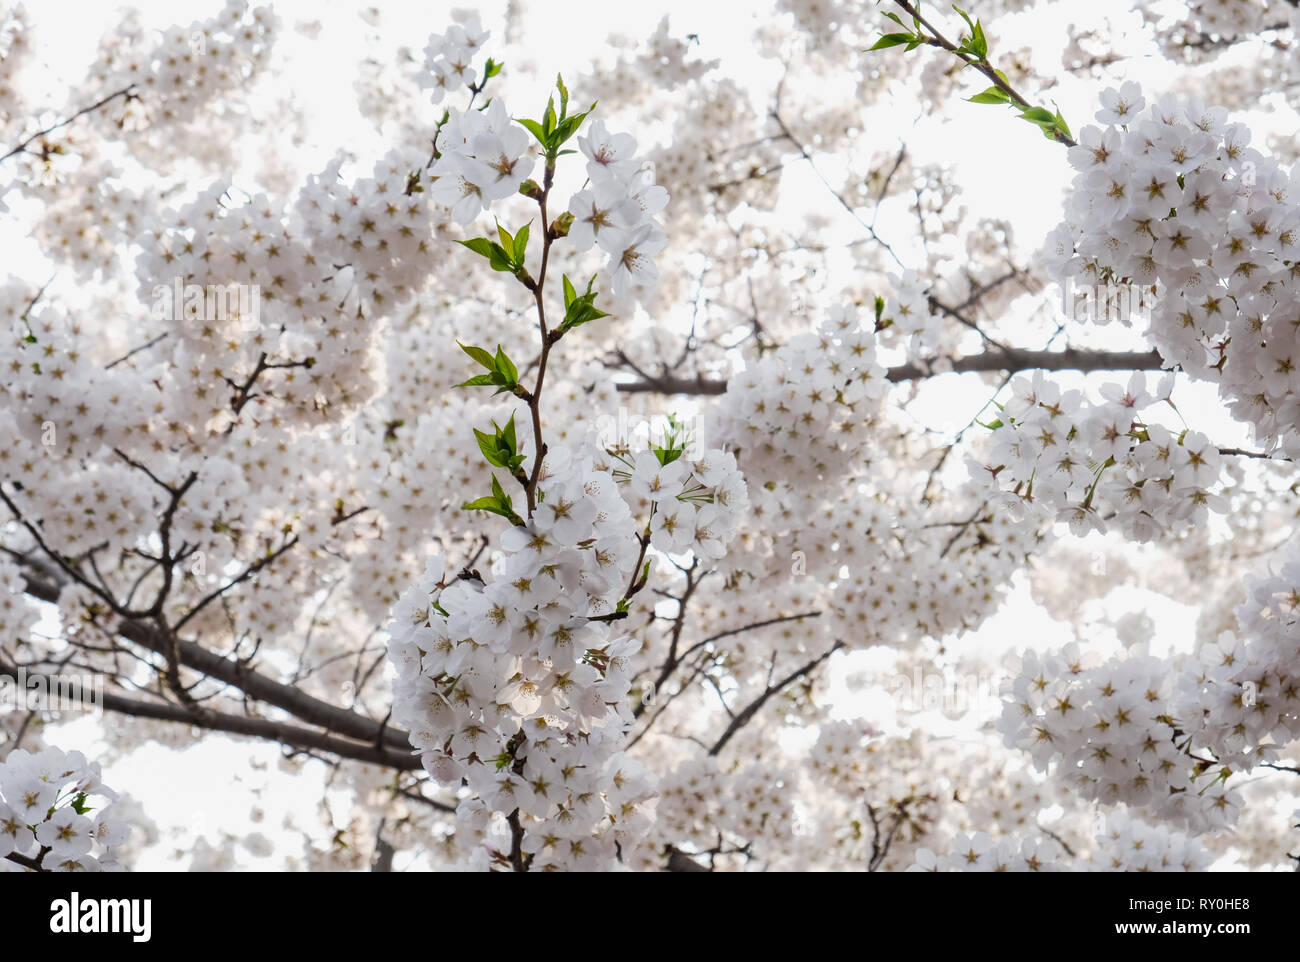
{"x":479,"y":380}
{"x":1039,"y":115}
{"x":567,"y":128}
{"x":486,"y":504}
{"x":1064,"y":128}
{"x":498,"y":493}
{"x":994,"y":95}
{"x":487,"y":443}
{"x":534,"y":128}
{"x":521,"y":245}
{"x":506,"y":367}
{"x":479,"y":245}
{"x":507,"y":241}
{"x":580,"y":308}
{"x":499,"y":503}
{"x":564,"y":95}
{"x":508,"y":433}
{"x":892,"y":40}
{"x":480,"y":355}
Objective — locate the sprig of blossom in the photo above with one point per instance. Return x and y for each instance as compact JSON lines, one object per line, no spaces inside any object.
{"x":1172,"y":197}
{"x":47,"y":815}
{"x":1058,"y":456}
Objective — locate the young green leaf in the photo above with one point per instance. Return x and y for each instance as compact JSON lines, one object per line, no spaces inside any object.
{"x":564,"y":95}
{"x":508,"y":434}
{"x":506,"y":368}
{"x":520,"y":246}
{"x":534,"y":128}
{"x":892,"y":40}
{"x":479,"y":245}
{"x":994,"y":95}
{"x":480,"y":355}
{"x":487,"y":443}
{"x":1039,"y":115}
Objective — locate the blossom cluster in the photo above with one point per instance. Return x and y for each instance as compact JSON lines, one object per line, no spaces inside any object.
{"x":981,"y":853}
{"x":908,"y":318}
{"x":17,"y":46}
{"x":1123,"y":843}
{"x":1110,"y":732}
{"x":804,"y":413}
{"x":830,"y":527}
{"x":1241,"y":698}
{"x":617,"y":212}
{"x":483,"y":158}
{"x":1197,"y":21}
{"x":1171,"y":196}
{"x":691,"y":499}
{"x":870,"y":805}
{"x":727,"y":810}
{"x":1061,"y":457}
{"x":379,"y":231}
{"x":518,"y":685}
{"x":1132,"y":730}
{"x":182,"y":79}
{"x":1127,"y":843}
{"x":46,"y":815}
{"x":449,"y":56}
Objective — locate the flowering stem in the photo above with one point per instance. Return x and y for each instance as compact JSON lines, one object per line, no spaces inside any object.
{"x":534,"y":398}
{"x":128,"y":92}
{"x":936,"y":39}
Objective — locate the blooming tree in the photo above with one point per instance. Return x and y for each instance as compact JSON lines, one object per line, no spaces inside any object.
{"x":549,"y":474}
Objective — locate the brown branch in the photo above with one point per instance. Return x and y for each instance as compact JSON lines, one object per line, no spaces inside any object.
{"x":241,"y":676}
{"x":128,"y":92}
{"x":135,"y":350}
{"x":752,"y":709}
{"x":1014,"y":360}
{"x":293,"y":736}
{"x":29,"y":863}
{"x":679,"y":861}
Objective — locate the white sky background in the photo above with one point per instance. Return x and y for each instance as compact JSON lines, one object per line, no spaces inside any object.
{"x":1005,"y":168}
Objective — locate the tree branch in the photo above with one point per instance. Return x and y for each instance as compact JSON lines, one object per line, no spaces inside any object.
{"x":1013,"y":360}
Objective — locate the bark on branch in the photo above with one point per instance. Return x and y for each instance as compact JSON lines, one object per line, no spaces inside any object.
{"x":1011,"y":361}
